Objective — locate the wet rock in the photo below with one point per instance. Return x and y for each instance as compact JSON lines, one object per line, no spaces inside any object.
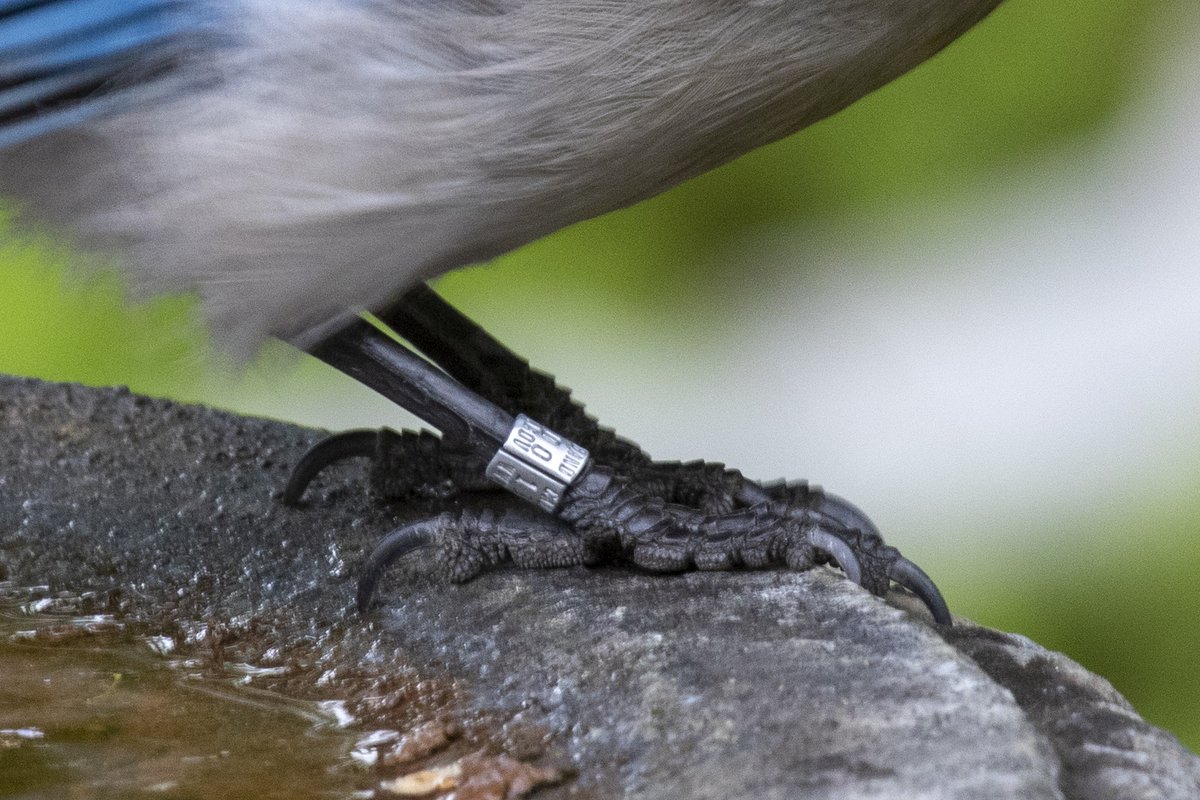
{"x":704,"y":685}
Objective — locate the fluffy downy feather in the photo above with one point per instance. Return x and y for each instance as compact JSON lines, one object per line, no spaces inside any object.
{"x":320,"y":156}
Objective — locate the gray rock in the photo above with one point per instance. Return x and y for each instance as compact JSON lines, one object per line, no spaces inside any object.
{"x":1105,"y":750}
{"x":703,"y":685}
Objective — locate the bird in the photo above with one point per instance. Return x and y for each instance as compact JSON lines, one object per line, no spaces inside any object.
{"x":308,"y":166}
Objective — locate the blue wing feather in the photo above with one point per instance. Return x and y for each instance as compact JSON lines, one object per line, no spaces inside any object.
{"x":30,"y":92}
{"x":69,"y":20}
{"x":63,"y":61}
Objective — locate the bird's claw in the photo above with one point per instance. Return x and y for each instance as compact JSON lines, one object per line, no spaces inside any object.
{"x":839,"y":551}
{"x":330,"y":450}
{"x":913,"y":578}
{"x":895,"y":567}
{"x":396,"y":544}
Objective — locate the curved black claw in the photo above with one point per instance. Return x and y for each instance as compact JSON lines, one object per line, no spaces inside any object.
{"x":840,"y":551}
{"x":335,"y":448}
{"x":398,"y":543}
{"x":913,"y":578}
{"x":847,"y":514}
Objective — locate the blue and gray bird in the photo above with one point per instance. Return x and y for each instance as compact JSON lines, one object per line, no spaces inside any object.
{"x":298,"y":162}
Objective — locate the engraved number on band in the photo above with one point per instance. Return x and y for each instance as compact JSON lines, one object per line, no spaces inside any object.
{"x":537,"y":464}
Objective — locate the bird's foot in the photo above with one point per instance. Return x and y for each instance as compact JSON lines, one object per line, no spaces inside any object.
{"x":796,"y":525}
{"x":662,"y":516}
{"x":601,"y":496}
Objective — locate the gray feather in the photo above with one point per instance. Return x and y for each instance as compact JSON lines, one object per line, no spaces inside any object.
{"x":345,"y":150}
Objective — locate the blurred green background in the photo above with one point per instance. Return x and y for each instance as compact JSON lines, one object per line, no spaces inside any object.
{"x":913,"y":293}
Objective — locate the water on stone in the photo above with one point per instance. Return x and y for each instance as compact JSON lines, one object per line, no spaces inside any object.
{"x":89,"y":710}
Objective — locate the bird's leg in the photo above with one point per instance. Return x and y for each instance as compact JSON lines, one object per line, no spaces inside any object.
{"x":471,"y":355}
{"x":608,"y":511}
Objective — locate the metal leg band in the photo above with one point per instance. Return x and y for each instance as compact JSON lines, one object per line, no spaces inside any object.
{"x":536,"y":464}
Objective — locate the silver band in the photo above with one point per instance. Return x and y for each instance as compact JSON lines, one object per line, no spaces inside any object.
{"x":536,"y":464}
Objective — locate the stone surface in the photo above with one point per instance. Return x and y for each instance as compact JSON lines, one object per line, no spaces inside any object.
{"x":703,"y":685}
